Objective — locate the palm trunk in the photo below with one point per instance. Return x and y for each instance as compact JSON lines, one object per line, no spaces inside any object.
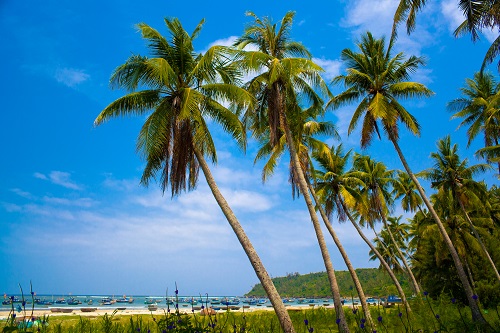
{"x":380,"y":258}
{"x":388,"y":251}
{"x":476,"y":312}
{"x":343,"y":327}
{"x":479,"y":240}
{"x":354,"y":276}
{"x":402,"y":257}
{"x":471,"y":278}
{"x":260,"y":271}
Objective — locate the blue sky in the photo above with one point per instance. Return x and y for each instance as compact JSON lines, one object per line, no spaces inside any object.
{"x":73,"y":217}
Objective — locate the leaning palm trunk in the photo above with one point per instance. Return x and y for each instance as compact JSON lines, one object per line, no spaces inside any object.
{"x":260,"y":271}
{"x":397,"y":265}
{"x":297,"y":170}
{"x":471,"y":278}
{"x":474,"y":230}
{"x":476,"y":312}
{"x":354,"y":276}
{"x":402,"y":257}
{"x":380,"y":258}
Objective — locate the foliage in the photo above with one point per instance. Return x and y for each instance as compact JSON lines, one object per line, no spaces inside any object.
{"x":375,"y":282}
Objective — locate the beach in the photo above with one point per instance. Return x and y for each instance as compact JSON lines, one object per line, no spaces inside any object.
{"x":99,"y":312}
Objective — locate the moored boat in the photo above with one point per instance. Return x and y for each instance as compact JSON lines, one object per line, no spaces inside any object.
{"x":88,"y":309}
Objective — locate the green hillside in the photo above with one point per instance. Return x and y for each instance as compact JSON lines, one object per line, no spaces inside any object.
{"x":375,"y":282}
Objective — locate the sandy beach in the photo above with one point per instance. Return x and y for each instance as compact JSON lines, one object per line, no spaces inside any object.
{"x":130,"y":311}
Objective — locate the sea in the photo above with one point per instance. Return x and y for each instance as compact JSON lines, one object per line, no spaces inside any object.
{"x":112,"y":302}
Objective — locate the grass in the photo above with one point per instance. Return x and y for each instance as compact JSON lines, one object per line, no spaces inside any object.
{"x":428,"y":316}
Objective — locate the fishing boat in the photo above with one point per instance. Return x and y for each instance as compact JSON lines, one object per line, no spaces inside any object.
{"x":125,"y":300}
{"x":227,"y":301}
{"x":152,"y":307}
{"x":73,"y":301}
{"x":88,"y":309}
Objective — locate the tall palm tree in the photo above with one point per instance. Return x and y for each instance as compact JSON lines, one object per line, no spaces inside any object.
{"x":431,"y":260}
{"x":379,"y":80}
{"x":455,"y":175}
{"x":304,"y":127}
{"x":375,"y":184}
{"x":337,"y":192}
{"x":288,"y":79}
{"x":178,"y":90}
{"x":405,"y":189}
{"x":479,"y":15}
{"x":479,"y":107}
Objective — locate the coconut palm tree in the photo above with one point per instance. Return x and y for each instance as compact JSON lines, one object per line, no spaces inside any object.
{"x":288,"y":79}
{"x":178,"y":89}
{"x":304,"y":127}
{"x":375,"y":184}
{"x":378,"y":81}
{"x":452,"y":174}
{"x":405,"y":189}
{"x":431,"y":260}
{"x":337,"y":190}
{"x":479,"y":15}
{"x":479,"y":108}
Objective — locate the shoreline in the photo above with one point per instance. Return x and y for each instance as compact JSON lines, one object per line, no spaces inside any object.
{"x":100,"y":312}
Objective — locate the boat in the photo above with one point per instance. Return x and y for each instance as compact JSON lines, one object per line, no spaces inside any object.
{"x":61,"y":300}
{"x":107,"y":301}
{"x":226,"y":301}
{"x":73,"y":301}
{"x":88,"y":309}
{"x":125,"y":300}
{"x":152,"y":307}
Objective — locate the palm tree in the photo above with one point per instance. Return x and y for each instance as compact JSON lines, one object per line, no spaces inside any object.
{"x":378,"y":80}
{"x":451,"y":174}
{"x":178,"y":89}
{"x":480,"y":109}
{"x":405,"y":189}
{"x":284,"y":84}
{"x":431,"y":260}
{"x":479,"y":15}
{"x":337,"y":192}
{"x":375,"y":183}
{"x":304,"y":128}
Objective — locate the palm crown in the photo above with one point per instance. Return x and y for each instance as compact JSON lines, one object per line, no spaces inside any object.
{"x":178,"y":89}
{"x":378,"y":80}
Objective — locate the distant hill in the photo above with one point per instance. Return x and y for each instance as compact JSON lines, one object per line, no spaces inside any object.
{"x":375,"y":282}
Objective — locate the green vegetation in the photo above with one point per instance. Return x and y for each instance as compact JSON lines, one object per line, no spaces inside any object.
{"x":430,"y":316}
{"x":375,"y":282}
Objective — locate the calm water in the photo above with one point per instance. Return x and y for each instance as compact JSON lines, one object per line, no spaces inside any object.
{"x":194,"y":302}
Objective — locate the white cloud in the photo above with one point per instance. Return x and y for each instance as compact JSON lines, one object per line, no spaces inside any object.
{"x":59,"y":178}
{"x":40,"y":176}
{"x":371,"y":15}
{"x":248,"y":201}
{"x":78,"y":202}
{"x":331,"y":67}
{"x":452,"y":13}
{"x":22,"y":193}
{"x":71,"y":76}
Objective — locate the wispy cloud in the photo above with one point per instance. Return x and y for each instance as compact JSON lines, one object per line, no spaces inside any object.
{"x":59,"y":178}
{"x":22,"y":193}
{"x":71,"y":77}
{"x":331,"y":67}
